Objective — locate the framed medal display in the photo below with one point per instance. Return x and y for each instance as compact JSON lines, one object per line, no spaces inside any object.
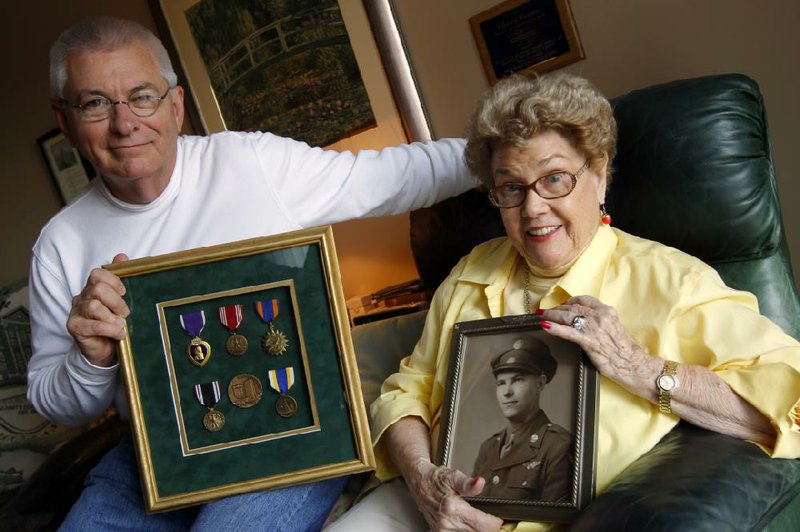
{"x":239,"y":369}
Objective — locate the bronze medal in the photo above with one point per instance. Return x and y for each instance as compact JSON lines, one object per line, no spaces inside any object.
{"x":236,"y":344}
{"x":208,"y":395}
{"x":213,"y":420}
{"x":245,"y":390}
{"x":286,"y":406}
{"x":281,"y":380}
{"x":231,"y":317}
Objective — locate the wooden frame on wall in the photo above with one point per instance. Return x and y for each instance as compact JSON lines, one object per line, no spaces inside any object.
{"x":526,"y":35}
{"x":71,"y":173}
{"x":393,"y":98}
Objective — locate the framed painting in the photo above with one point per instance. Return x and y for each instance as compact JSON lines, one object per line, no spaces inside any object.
{"x":70,"y":172}
{"x":239,"y":369}
{"x":520,"y":410}
{"x":526,"y":35}
{"x":310,"y":69}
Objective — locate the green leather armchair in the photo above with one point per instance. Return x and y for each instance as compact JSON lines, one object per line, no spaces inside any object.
{"x":693,"y":171}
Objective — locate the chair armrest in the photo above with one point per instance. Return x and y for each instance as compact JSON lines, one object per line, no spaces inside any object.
{"x":696,"y":480}
{"x":381,"y":345}
{"x":43,"y":501}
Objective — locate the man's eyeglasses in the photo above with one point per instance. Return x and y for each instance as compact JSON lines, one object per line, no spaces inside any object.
{"x":551,"y":186}
{"x":142,"y":103}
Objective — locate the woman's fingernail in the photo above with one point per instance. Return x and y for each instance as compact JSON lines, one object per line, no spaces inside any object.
{"x":539,"y":311}
{"x":545,"y":325}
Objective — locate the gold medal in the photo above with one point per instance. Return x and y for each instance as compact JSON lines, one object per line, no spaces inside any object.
{"x":213,"y":420}
{"x":198,"y":351}
{"x":286,"y":406}
{"x":245,"y":390}
{"x":236,"y":344}
{"x":274,"y":341}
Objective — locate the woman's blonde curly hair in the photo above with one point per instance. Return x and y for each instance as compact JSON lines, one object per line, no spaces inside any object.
{"x":520,"y":106}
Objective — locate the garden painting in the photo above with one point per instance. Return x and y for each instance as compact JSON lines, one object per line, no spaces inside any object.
{"x":283,"y":66}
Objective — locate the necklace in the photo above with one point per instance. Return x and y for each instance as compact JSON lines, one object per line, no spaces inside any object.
{"x":526,"y":295}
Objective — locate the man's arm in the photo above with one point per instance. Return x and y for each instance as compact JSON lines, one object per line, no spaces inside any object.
{"x":321,"y":186}
{"x":64,"y":384}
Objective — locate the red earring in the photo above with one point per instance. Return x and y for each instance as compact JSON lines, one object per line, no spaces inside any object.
{"x":604,"y":216}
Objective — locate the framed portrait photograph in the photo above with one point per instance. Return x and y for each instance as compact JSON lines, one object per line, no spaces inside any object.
{"x":520,"y":410}
{"x":70,"y":172}
{"x":239,"y":369}
{"x":308,"y":69}
{"x":526,"y":35}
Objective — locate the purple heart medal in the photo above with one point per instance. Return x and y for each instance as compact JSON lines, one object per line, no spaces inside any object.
{"x":198,"y":350}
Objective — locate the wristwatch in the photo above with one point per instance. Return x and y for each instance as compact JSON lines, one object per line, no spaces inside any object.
{"x":667,"y":382}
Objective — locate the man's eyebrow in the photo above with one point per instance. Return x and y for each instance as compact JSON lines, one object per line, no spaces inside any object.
{"x":98,"y":92}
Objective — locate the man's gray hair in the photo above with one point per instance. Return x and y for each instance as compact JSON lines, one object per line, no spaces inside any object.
{"x":104,"y":34}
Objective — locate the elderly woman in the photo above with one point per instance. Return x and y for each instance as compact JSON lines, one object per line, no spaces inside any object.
{"x":655,"y":322}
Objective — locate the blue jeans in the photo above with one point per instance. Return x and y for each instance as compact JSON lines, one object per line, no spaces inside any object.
{"x":112,"y":500}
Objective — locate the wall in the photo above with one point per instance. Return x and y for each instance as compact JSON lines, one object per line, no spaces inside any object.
{"x":631,"y":44}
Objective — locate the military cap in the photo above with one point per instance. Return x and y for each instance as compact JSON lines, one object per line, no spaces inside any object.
{"x":528,"y":356}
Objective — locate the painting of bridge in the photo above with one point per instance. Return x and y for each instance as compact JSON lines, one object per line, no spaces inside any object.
{"x":282,"y":66}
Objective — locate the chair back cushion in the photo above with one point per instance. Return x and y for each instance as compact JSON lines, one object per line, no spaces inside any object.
{"x":693,"y":170}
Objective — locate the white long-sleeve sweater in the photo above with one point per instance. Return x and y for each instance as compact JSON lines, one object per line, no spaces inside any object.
{"x":225,"y":187}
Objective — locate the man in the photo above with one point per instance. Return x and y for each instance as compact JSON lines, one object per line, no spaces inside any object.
{"x":531,"y":459}
{"x":116,"y":98}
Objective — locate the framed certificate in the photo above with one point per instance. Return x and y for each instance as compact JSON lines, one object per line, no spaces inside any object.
{"x":520,"y":410}
{"x":526,"y":35}
{"x":239,"y":369}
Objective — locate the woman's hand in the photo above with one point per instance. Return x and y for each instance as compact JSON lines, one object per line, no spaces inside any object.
{"x":702,"y":398}
{"x":609,"y":346}
{"x":438,"y":492}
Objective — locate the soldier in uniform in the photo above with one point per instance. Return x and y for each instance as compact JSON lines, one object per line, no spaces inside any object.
{"x":531,"y":459}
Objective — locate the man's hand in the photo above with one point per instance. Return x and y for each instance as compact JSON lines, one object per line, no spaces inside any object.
{"x":97,"y":318}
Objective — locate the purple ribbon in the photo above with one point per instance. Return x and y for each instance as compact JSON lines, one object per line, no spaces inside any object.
{"x":193,"y":322}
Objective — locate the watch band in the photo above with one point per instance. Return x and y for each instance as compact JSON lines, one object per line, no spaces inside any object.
{"x":667,"y":381}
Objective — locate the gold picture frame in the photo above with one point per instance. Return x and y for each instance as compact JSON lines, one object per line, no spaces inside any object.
{"x":215,"y":413}
{"x":399,"y":120}
{"x":526,"y":35}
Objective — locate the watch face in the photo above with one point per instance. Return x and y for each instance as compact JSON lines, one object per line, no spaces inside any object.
{"x":666,"y":382}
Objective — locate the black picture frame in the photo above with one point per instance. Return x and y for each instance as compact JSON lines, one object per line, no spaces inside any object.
{"x":471,"y":417}
{"x":71,"y":173}
{"x":245,"y":439}
{"x":526,"y":35}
